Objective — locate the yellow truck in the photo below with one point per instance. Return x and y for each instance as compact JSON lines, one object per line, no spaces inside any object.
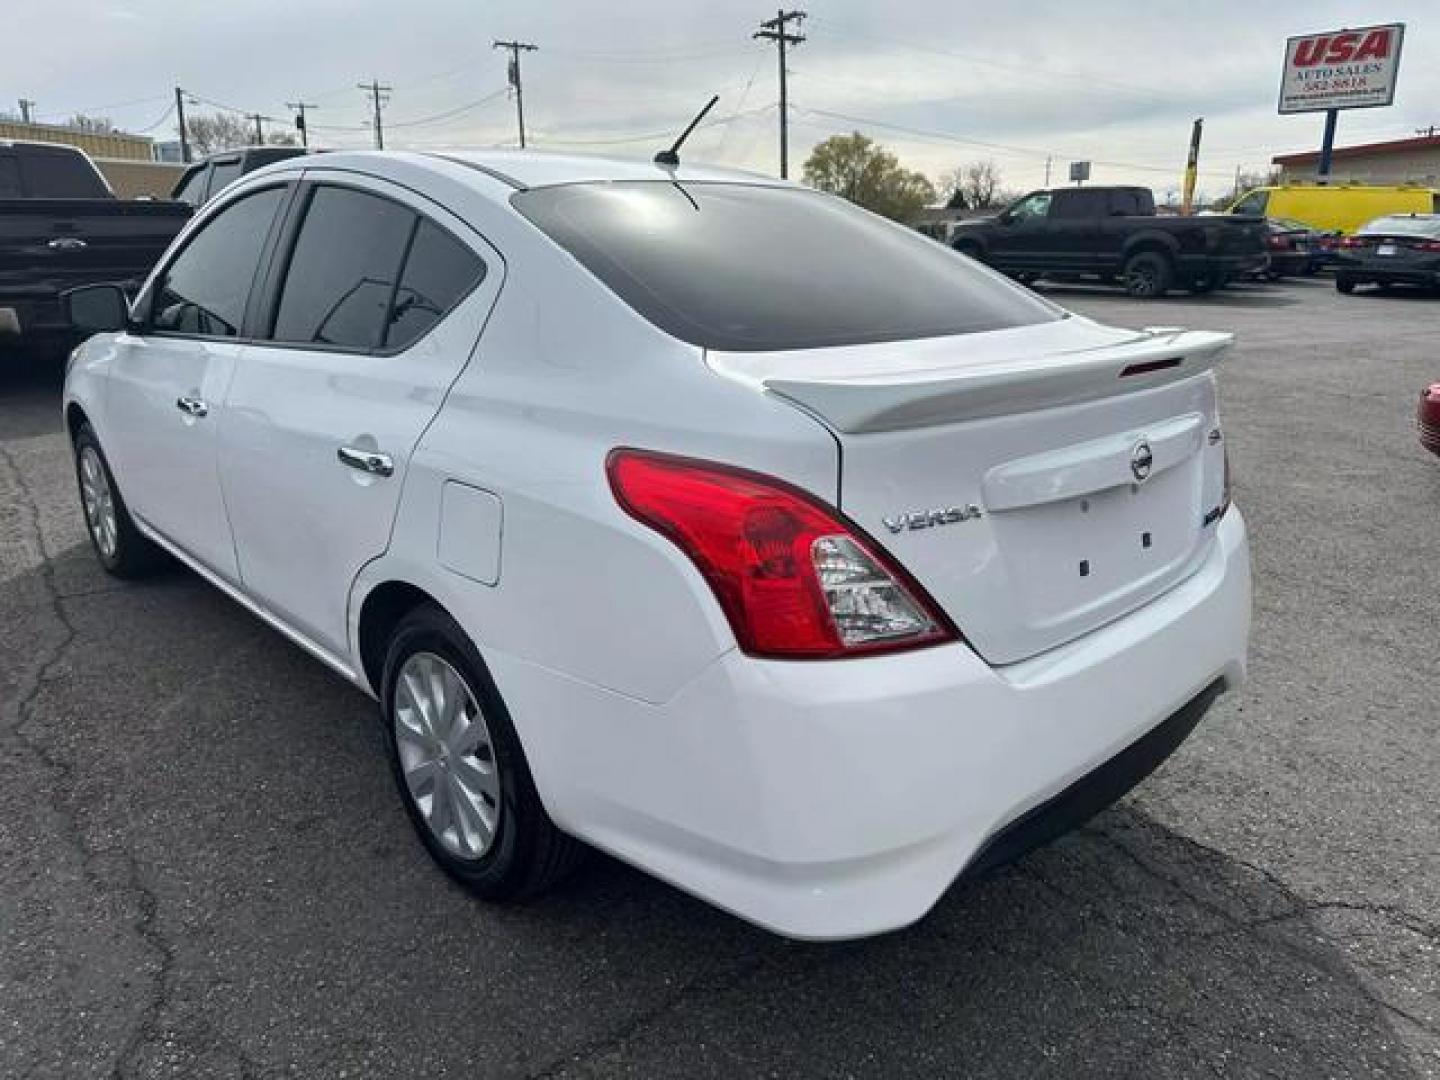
{"x":1343,"y":207}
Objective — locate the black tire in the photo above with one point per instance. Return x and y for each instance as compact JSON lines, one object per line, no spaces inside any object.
{"x":130,"y":555}
{"x":526,"y":854}
{"x":1148,"y":275}
{"x":1344,"y":284}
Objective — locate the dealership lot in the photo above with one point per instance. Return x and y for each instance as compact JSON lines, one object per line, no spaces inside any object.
{"x":204,"y":870}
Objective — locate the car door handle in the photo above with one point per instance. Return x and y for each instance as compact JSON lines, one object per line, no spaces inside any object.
{"x":193,"y":405}
{"x":66,"y":243}
{"x":366,"y":461}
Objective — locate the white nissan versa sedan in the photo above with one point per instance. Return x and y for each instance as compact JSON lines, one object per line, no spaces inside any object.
{"x":768,"y":545}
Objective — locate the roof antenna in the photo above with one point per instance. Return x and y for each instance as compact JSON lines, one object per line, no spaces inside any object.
{"x":671,"y":157}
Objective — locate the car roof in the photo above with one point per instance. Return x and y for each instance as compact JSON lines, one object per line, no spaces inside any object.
{"x":524,"y":169}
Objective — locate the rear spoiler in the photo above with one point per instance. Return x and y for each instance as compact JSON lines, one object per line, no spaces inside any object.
{"x":869,"y":402}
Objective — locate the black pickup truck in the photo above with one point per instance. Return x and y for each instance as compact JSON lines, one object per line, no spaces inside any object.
{"x":1114,"y":234}
{"x":61,"y":226}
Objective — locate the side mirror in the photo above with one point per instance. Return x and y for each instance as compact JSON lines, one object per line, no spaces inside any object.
{"x":96,"y":309}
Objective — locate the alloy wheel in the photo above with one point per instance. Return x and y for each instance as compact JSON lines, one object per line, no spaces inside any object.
{"x":446,"y":755}
{"x":99,"y":502}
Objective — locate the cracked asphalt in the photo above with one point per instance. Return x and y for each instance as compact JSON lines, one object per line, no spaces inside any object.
{"x":204,"y":870}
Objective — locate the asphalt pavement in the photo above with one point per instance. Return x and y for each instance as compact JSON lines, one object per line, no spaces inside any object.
{"x":204,"y":870}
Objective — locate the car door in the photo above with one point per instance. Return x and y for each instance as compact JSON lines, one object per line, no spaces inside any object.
{"x":1020,"y":239}
{"x":376,"y":302}
{"x":168,"y":380}
{"x":1074,"y":230}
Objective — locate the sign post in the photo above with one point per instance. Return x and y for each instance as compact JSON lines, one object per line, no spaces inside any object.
{"x":1341,"y":69}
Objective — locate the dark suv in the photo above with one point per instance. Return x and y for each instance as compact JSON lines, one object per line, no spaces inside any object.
{"x":206,"y":179}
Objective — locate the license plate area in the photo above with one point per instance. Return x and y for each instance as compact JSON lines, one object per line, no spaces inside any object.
{"x":1385,"y":249}
{"x":1070,"y":558}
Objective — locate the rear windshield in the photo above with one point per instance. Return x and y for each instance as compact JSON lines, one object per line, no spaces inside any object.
{"x":1403,"y":226}
{"x":741,"y":267}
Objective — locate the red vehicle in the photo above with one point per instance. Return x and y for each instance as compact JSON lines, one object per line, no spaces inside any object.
{"x":1428,"y":418}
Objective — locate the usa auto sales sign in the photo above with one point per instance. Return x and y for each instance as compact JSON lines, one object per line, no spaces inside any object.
{"x":1344,"y":69}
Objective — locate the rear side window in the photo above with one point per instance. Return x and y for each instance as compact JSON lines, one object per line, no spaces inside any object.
{"x":205,"y":290}
{"x":1254,"y":203}
{"x":222,"y":173}
{"x":192,"y":188}
{"x":747,"y":267}
{"x":1078,"y":204}
{"x":438,"y":272}
{"x":343,"y":270}
{"x":1127,"y":202}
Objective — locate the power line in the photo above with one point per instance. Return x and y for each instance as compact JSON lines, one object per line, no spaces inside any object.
{"x":650,"y":136}
{"x":516,"y":48}
{"x":437,"y":117}
{"x":776,"y":30}
{"x":378,"y":95}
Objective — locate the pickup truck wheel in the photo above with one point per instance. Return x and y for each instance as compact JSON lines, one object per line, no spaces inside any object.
{"x":1344,"y":284}
{"x":460,"y":768}
{"x":118,"y":545}
{"x":1147,"y":275}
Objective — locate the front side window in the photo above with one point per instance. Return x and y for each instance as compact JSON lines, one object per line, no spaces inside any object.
{"x":343,"y":270}
{"x":1032,"y":206}
{"x":749,"y":267}
{"x":1079,"y":204}
{"x":223,"y":173}
{"x":205,"y":290}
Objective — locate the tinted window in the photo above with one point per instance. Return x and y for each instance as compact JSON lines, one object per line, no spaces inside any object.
{"x":343,"y":269}
{"x":1032,"y":206}
{"x":746,"y":267}
{"x":438,"y":272}
{"x":222,"y":173}
{"x":204,"y":291}
{"x":192,"y":188}
{"x":1254,"y":203}
{"x":9,"y":177}
{"x":59,"y":174}
{"x":1078,"y":204}
{"x":1127,"y":202}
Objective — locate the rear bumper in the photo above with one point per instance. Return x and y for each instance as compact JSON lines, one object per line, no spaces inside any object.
{"x":1227,"y":266}
{"x":841,"y":799}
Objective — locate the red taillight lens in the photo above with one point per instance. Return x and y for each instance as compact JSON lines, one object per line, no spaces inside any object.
{"x":1351,"y":242}
{"x":1280,"y":243}
{"x":1428,"y":245}
{"x":795,"y":579}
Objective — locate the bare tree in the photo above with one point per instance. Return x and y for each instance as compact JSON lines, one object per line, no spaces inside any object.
{"x":220,"y":131}
{"x":973,"y":187}
{"x":98,"y":125}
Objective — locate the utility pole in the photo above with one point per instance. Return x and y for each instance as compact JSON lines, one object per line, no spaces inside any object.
{"x":184,"y":133}
{"x":516,"y":48}
{"x":375,"y":90}
{"x":26,"y":104}
{"x":259,"y":131}
{"x":300,"y":107}
{"x":1047,"y":170}
{"x":775,"y":30}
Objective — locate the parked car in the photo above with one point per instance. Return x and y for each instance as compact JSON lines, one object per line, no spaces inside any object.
{"x":1336,"y":207}
{"x":1401,"y":249}
{"x":1295,"y":249}
{"x":549,"y":454}
{"x":61,"y":226}
{"x":1113,"y":233}
{"x":208,"y":177}
{"x":1428,"y":418}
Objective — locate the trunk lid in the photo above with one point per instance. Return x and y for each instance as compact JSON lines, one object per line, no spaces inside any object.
{"x":1038,"y":482}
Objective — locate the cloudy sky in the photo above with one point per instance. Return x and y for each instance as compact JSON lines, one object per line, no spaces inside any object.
{"x":941,"y":82}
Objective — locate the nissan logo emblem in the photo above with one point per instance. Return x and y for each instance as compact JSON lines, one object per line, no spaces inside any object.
{"x":1141,"y":459}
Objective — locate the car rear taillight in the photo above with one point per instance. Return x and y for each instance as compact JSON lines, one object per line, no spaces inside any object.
{"x":1351,"y":242}
{"x":1427,"y":245}
{"x":793,"y":576}
{"x":1280,"y":243}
